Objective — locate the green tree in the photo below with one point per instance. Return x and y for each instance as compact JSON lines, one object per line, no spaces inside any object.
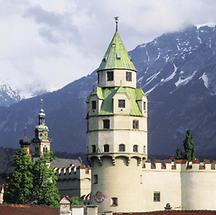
{"x":19,"y":186}
{"x":189,"y":146}
{"x":76,"y":201}
{"x":179,"y":154}
{"x":45,"y":189}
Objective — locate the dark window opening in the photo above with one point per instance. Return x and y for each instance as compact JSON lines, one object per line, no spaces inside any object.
{"x":106,"y":123}
{"x":144,"y":105}
{"x":110,"y":76}
{"x":93,"y":105}
{"x":128,"y":76}
{"x":114,"y":201}
{"x":93,"y":148}
{"x":135,"y":124}
{"x":121,"y":103}
{"x":156,"y":197}
{"x":95,"y":179}
{"x":106,"y":148}
{"x":98,"y":76}
{"x":121,"y":147}
{"x":135,"y":148}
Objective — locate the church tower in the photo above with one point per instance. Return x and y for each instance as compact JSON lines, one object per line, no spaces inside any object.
{"x":41,"y":142}
{"x":117,"y":132}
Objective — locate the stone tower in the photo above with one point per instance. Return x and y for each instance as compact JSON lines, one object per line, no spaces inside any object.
{"x":41,"y":142}
{"x":117,"y":132}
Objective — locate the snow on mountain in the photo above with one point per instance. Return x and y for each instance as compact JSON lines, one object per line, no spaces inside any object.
{"x":178,"y":73}
{"x":8,"y":95}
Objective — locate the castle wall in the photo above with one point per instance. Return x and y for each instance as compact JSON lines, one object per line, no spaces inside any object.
{"x":199,"y":188}
{"x":74,"y":181}
{"x":165,"y":181}
{"x":184,"y":187}
{"x":117,"y":180}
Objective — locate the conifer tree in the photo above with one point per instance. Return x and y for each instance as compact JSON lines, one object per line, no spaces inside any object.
{"x":179,"y":155}
{"x":19,"y":186}
{"x":45,"y":189}
{"x":189,"y":146}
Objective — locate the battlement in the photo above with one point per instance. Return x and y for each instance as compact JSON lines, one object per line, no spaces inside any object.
{"x":180,"y":165}
{"x":73,"y":172}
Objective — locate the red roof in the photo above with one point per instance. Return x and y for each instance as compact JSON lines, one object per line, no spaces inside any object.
{"x":27,"y":210}
{"x":171,"y":213}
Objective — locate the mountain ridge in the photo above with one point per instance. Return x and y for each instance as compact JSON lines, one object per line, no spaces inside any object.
{"x":176,"y":70}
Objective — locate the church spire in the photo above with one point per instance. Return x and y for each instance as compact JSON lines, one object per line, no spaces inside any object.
{"x":116,"y":21}
{"x":116,"y":56}
{"x":41,"y":115}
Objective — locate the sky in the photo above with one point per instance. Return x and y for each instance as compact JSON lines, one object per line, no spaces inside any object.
{"x":46,"y":44}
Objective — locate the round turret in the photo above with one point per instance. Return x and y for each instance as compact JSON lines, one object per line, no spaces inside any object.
{"x":117,"y":132}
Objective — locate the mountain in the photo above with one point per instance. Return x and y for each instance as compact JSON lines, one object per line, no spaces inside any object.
{"x":176,"y":70}
{"x":8,"y":95}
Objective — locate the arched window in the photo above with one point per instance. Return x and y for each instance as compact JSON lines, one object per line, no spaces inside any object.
{"x":135,"y":148}
{"x":121,"y":147}
{"x":106,"y":148}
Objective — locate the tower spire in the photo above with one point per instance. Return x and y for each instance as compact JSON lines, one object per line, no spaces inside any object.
{"x":41,"y":104}
{"x":116,"y":22}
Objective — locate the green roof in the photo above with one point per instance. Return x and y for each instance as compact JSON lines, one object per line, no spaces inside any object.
{"x":107,"y":94}
{"x":116,"y":56}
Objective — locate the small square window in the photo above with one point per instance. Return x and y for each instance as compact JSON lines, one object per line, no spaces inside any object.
{"x":110,"y":76}
{"x":93,"y":105}
{"x":135,"y":148}
{"x":95,"y":179}
{"x":135,"y":124}
{"x":114,"y":201}
{"x":106,"y":123}
{"x":121,"y":103}
{"x":156,"y":197}
{"x":122,"y":148}
{"x":128,"y":76}
{"x":106,"y":148}
{"x":93,"y":148}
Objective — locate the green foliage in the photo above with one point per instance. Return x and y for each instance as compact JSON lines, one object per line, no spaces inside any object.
{"x":189,"y":146}
{"x":179,"y":154}
{"x":19,"y":186}
{"x":76,"y":201}
{"x":45,"y":182}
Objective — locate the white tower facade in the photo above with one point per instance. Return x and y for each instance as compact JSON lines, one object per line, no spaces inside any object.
{"x":117,"y":132}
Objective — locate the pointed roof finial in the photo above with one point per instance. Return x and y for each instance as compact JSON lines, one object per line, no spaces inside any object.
{"x":41,"y":104}
{"x":116,"y":21}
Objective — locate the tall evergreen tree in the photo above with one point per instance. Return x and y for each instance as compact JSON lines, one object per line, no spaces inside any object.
{"x":19,"y":186}
{"x":45,"y":189}
{"x":189,"y":146}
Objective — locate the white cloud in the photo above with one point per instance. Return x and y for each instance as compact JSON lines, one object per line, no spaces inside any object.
{"x":48,"y":44}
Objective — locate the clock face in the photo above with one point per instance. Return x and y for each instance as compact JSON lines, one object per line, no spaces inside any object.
{"x":99,"y":197}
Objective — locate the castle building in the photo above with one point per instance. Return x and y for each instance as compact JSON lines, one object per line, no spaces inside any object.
{"x":123,"y":180}
{"x":117,"y":132}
